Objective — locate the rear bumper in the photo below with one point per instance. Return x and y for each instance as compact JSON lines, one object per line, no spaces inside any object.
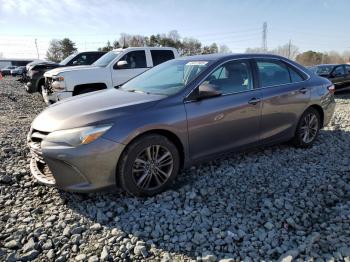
{"x":85,"y":168}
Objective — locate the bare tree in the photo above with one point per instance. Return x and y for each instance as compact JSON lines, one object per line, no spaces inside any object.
{"x":174,"y":35}
{"x":288,"y":50}
{"x":224,"y":49}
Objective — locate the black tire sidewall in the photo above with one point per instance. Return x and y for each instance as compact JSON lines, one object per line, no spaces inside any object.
{"x":127,"y":181}
{"x":298,"y":140}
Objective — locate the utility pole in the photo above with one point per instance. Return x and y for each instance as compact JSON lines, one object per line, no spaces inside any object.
{"x":289,"y":48}
{"x":36,"y":46}
{"x":264,"y":37}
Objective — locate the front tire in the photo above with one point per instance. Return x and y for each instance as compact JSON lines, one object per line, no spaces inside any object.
{"x":148,"y":165}
{"x":308,"y":128}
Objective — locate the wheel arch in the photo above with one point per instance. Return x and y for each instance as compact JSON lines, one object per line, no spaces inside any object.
{"x":319,"y":109}
{"x":40,"y":83}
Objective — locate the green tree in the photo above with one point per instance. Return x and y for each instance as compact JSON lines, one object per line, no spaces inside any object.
{"x":67,"y":47}
{"x":60,"y":49}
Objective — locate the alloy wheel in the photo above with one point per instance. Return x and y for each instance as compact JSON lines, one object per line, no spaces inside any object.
{"x":309,"y":128}
{"x":152,"y":167}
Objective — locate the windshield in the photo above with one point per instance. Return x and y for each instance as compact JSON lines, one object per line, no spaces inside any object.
{"x":106,"y":59}
{"x":323,"y":69}
{"x":167,"y":78}
{"x":67,"y":59}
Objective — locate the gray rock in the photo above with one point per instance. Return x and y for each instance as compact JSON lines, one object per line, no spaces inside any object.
{"x":12,"y":244}
{"x":50,"y":254}
{"x":289,"y":256}
{"x":96,"y":227}
{"x":104,"y":254}
{"x":93,"y":259}
{"x":30,"y":245}
{"x":268,"y":225}
{"x":29,"y":256}
{"x":80,"y":257}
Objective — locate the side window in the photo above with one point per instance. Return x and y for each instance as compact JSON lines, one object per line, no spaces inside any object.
{"x":273,"y":73}
{"x":339,"y":71}
{"x":79,"y":60}
{"x":135,"y":59}
{"x":92,"y":57}
{"x":347,"y":69}
{"x":232,"y":77}
{"x":161,"y":56}
{"x":294,"y":75}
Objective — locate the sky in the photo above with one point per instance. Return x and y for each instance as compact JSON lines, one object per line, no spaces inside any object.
{"x":320,"y":25}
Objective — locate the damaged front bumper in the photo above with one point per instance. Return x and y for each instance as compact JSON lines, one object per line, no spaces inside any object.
{"x":85,"y":168}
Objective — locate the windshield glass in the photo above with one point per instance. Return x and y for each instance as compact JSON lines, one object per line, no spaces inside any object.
{"x":67,"y":59}
{"x":167,"y":78}
{"x":323,"y":69}
{"x":106,"y":59}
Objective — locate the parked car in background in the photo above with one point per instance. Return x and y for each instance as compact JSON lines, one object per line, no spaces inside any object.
{"x":111,"y":70}
{"x":35,"y":73}
{"x":18,"y":71}
{"x":182,"y":111}
{"x":7,"y":70}
{"x":338,"y":74}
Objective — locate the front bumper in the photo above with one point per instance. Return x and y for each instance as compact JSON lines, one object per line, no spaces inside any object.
{"x":85,"y":168}
{"x":54,"y":97}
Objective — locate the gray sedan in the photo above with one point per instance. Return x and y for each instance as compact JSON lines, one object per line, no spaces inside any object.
{"x":139,"y":135}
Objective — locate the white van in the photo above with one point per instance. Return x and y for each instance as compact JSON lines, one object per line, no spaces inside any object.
{"x":111,"y":70}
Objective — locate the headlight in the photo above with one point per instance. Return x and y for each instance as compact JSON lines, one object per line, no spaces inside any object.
{"x":58,"y":78}
{"x":77,"y":136}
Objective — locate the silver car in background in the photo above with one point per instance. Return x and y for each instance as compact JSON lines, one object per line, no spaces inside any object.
{"x":178,"y":113}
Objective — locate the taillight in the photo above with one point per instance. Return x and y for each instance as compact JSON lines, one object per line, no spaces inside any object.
{"x":331,"y":89}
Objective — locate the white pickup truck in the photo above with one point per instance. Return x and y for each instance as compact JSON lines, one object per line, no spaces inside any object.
{"x":111,"y":70}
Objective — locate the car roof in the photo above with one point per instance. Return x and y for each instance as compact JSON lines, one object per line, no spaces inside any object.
{"x":219,"y":56}
{"x":144,"y":48}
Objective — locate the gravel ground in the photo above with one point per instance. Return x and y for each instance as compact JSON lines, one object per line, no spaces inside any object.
{"x":276,"y":203}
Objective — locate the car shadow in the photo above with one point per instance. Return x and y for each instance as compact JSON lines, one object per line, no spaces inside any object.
{"x":223,"y":206}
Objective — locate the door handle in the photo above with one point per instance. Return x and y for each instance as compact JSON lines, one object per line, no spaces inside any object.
{"x":254,"y":101}
{"x":303,"y":90}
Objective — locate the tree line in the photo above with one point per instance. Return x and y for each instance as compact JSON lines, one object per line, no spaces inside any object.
{"x":307,"y":58}
{"x":185,"y":46}
{"x":60,"y":49}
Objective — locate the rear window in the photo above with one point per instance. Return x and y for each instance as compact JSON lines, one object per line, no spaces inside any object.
{"x":274,"y":73}
{"x":161,"y":56}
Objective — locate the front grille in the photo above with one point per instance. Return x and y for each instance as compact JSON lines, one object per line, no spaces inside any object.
{"x":39,"y":168}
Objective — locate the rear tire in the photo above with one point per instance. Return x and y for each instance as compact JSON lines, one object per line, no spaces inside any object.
{"x":308,"y":128}
{"x":148,"y":165}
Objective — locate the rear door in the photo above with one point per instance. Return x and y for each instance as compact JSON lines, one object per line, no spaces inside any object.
{"x":285,"y":95}
{"x":229,"y":121}
{"x":161,"y":56}
{"x":136,"y":64}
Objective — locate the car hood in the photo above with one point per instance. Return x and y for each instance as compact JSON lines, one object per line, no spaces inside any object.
{"x":92,"y":108}
{"x":61,"y":70}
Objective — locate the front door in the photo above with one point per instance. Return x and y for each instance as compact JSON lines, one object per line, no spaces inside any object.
{"x":136,"y":64}
{"x":229,"y":121}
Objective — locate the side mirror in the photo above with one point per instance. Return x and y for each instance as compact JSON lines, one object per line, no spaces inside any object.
{"x":207,"y":90}
{"x":122,"y":64}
